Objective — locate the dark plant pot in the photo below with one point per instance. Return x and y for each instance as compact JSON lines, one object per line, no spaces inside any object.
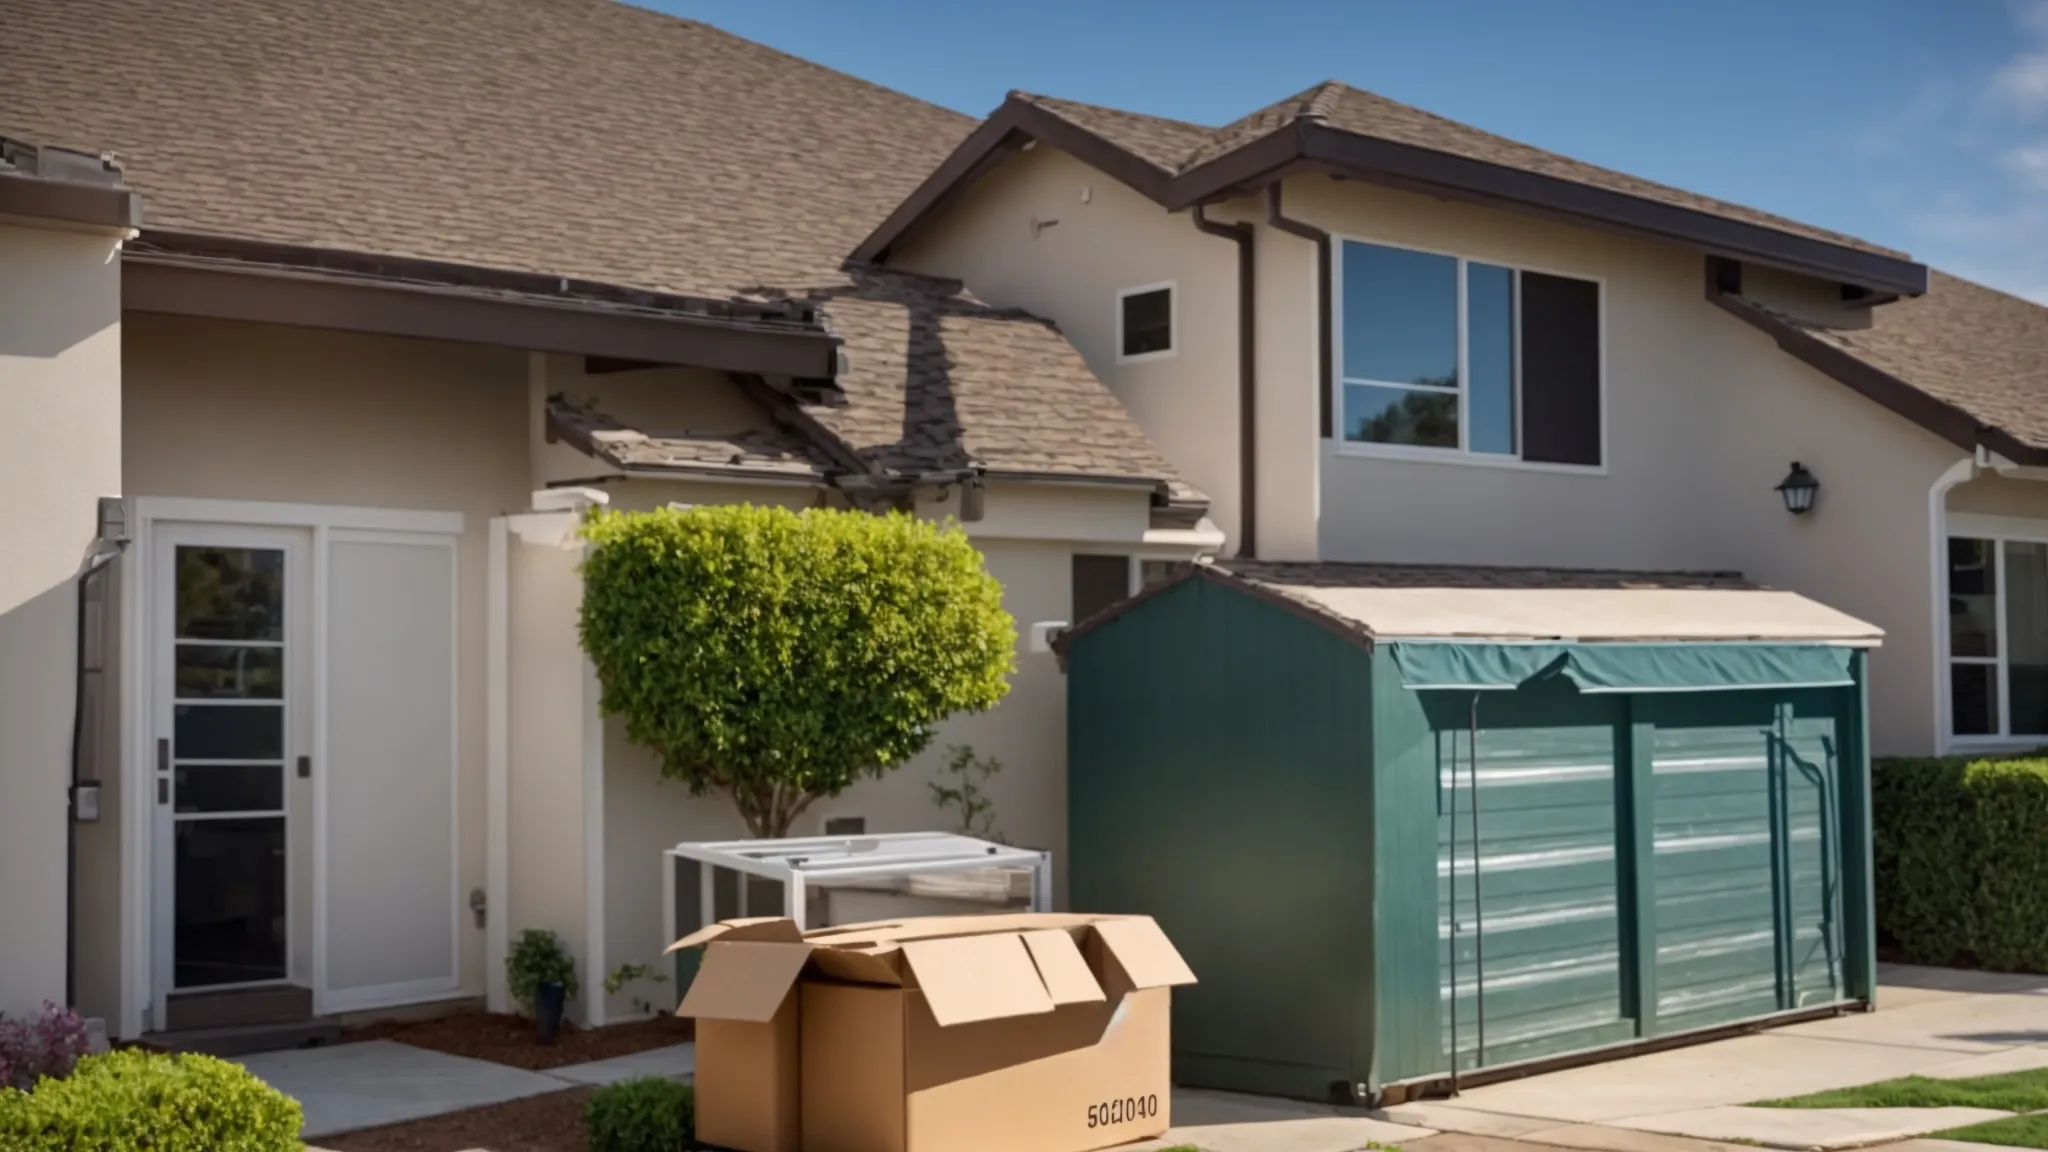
{"x":547,"y":1010}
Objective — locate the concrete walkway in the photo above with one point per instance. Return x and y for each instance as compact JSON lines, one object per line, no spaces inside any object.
{"x":378,"y":1082}
{"x":1930,"y":1022}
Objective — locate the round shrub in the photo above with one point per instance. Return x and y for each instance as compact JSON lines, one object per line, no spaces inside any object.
{"x":138,"y":1101}
{"x":645,"y":1115}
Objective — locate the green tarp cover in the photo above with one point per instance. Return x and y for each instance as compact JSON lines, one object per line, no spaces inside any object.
{"x":1622,"y":667}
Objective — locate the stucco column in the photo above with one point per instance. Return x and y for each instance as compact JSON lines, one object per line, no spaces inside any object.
{"x":60,"y":451}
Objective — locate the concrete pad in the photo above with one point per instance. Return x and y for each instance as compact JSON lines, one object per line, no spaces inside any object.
{"x":1737,"y":1071}
{"x":677,"y":1062}
{"x":1810,"y":1127}
{"x":1993,"y":1063}
{"x":1596,"y":1138}
{"x":1890,"y":996}
{"x":1228,"y":1122}
{"x":1468,"y":1142}
{"x":1960,"y":980}
{"x":351,"y":1086}
{"x":1982,"y":1023}
{"x":1929,"y":1144}
{"x":1448,"y":1117}
{"x":1304,"y":1134}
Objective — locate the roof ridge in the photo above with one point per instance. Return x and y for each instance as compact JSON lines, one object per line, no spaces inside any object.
{"x":1321,"y":100}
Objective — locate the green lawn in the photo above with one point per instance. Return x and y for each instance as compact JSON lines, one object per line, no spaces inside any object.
{"x":2011,"y":1092}
{"x":2017,"y":1132}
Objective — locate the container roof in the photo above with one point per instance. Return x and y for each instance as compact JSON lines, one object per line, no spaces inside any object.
{"x":1401,"y":601}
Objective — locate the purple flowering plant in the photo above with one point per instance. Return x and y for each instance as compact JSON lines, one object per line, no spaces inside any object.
{"x":46,"y":1044}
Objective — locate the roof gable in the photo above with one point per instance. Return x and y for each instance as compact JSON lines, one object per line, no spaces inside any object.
{"x":1338,"y":129}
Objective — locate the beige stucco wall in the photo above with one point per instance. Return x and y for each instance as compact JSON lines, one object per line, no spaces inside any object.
{"x":231,"y":411}
{"x":60,"y":451}
{"x":1001,"y":240}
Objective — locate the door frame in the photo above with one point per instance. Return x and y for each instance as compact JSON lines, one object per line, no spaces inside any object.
{"x":296,"y":545}
{"x":141,"y":1008}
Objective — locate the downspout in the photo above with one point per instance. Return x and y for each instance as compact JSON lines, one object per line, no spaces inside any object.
{"x":1325,"y":418}
{"x":1247,"y":378}
{"x":106,"y":548}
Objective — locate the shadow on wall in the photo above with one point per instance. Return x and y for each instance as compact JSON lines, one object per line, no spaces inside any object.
{"x":46,"y":313}
{"x":37,"y":639}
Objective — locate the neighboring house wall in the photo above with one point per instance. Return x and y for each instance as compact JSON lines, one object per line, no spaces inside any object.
{"x":60,"y":451}
{"x":231,"y":411}
{"x":1049,"y":234}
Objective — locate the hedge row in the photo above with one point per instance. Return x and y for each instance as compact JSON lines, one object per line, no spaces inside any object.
{"x":1962,"y":860}
{"x":138,"y":1101}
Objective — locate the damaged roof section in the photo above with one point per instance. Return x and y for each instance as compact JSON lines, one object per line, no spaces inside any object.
{"x":64,"y":186}
{"x":934,"y":386}
{"x":763,"y":453}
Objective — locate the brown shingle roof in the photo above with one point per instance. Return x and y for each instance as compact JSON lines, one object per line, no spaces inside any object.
{"x":1969,"y":346}
{"x":578,"y":138}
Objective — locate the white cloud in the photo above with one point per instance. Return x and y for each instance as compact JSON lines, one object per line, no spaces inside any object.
{"x":1967,"y":164}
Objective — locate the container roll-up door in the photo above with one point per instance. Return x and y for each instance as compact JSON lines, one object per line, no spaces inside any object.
{"x":1545,"y":919}
{"x":1809,"y":770}
{"x":1746,"y":868}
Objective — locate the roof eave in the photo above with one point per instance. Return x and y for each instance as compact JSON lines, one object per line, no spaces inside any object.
{"x":1891,"y":392}
{"x":192,"y":283}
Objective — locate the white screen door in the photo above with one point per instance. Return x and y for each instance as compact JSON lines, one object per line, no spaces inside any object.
{"x":228,"y":708}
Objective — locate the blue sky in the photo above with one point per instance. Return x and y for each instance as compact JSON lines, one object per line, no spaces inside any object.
{"x":1921,"y":124}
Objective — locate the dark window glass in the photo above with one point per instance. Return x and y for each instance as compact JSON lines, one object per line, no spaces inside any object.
{"x":1400,"y":317}
{"x":1490,"y":357}
{"x":228,"y":732}
{"x":1973,"y":698}
{"x":2026,"y":636}
{"x":228,"y":671}
{"x":1560,"y":369}
{"x":229,"y":787}
{"x":846,"y":826}
{"x":1099,"y":583}
{"x":1972,"y":597}
{"x":1382,"y":415}
{"x":230,"y":593}
{"x":230,"y":901}
{"x":1148,"y":322}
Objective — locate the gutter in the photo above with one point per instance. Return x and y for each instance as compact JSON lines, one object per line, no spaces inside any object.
{"x":1247,"y":377}
{"x":1325,"y":416}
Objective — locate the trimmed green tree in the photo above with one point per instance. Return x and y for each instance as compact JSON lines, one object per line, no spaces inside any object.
{"x":778,"y":656}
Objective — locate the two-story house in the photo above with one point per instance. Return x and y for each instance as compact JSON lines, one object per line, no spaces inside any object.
{"x":1373,"y":334}
{"x":303,"y":386}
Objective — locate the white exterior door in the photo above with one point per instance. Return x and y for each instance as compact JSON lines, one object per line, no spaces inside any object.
{"x":296,"y":706}
{"x":229,"y":715}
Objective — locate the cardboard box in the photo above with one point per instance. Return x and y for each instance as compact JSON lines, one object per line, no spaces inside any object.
{"x":1006,"y":1033}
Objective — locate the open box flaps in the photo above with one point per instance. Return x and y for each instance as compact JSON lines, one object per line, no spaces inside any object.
{"x":969,"y":968}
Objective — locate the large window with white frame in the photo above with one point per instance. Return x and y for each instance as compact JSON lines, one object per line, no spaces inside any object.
{"x":1997,"y":591}
{"x":1441,"y":356}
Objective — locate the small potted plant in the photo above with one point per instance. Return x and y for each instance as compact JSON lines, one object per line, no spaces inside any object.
{"x":542,"y":978}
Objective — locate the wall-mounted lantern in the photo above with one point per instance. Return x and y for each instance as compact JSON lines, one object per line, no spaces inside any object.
{"x":1799,"y":488}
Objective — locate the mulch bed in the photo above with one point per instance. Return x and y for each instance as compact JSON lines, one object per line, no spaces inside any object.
{"x":550,"y":1123}
{"x":506,"y":1039}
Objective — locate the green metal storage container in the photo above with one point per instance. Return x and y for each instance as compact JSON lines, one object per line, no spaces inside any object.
{"x":1398,"y":826}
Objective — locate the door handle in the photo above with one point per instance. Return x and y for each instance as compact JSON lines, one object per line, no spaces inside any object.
{"x":163,"y":768}
{"x":163,"y":790}
{"x":305,"y":767}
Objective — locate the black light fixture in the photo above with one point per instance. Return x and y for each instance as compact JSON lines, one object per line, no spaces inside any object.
{"x":1799,"y":488}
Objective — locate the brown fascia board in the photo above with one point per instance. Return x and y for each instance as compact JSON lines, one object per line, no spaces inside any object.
{"x":1309,"y":145}
{"x":1888,"y":391}
{"x":272,"y":294}
{"x":1349,"y":630}
{"x":67,"y":202}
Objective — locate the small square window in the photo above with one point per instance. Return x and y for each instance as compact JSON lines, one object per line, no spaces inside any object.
{"x":1145,"y":322}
